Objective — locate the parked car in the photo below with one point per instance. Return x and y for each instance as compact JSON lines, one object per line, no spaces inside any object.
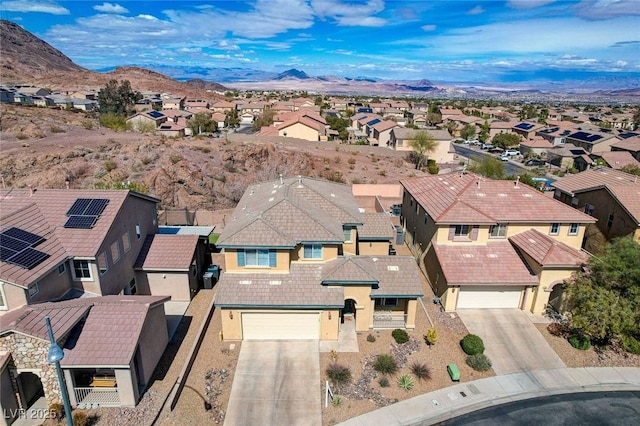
{"x":511,"y":153}
{"x":472,"y":142}
{"x":534,"y":162}
{"x":486,"y":146}
{"x":504,"y":157}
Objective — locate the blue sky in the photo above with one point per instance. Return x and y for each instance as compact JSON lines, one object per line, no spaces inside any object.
{"x":440,"y":40}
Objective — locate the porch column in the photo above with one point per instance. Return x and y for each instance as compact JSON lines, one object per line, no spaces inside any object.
{"x":71,"y":387}
{"x":127,"y":387}
{"x":412,"y":306}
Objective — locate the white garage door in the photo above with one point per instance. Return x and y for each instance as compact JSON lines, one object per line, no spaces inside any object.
{"x":489,"y":297}
{"x":294,"y":326}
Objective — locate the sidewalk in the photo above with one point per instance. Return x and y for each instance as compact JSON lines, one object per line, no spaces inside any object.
{"x":463,"y":398}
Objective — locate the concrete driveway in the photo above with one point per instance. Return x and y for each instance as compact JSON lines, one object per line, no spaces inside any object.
{"x":276,"y":383}
{"x":511,"y":340}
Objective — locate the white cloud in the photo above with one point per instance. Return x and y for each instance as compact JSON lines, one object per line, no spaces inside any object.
{"x":350,"y":14}
{"x":596,"y":10}
{"x":528,"y":4}
{"x":476,"y":10}
{"x":110,"y":8}
{"x":429,"y":27}
{"x":34,"y":6}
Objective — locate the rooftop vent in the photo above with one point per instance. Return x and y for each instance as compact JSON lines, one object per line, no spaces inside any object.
{"x":245,"y":281}
{"x":393,"y":268}
{"x":275,"y":282}
{"x":492,"y":255}
{"x":467,"y":255}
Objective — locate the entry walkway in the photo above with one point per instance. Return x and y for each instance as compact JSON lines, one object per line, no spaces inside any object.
{"x":347,"y":339}
{"x":463,"y":398}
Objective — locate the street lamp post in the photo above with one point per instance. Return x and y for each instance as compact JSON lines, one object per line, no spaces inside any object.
{"x":55,"y":356}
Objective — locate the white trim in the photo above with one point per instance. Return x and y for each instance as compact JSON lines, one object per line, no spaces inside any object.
{"x":73,"y":270}
{"x":4,"y":306}
{"x":118,"y":256}
{"x":106,"y":263}
{"x":126,"y":237}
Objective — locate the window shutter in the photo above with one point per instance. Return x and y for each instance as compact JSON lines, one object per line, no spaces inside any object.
{"x":474,"y":233}
{"x":272,"y":258}
{"x":452,"y":232}
{"x":241,"y":261}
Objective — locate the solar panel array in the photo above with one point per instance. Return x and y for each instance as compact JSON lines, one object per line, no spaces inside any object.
{"x":16,"y":247}
{"x":525,"y":126}
{"x":84,"y":212}
{"x":586,"y":137}
{"x":155,"y":114}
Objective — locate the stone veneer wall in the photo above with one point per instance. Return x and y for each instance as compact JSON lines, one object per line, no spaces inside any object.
{"x":31,"y":353}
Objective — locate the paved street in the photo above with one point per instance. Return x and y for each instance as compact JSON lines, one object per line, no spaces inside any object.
{"x":510,"y":167}
{"x":511,"y":340}
{"x":276,"y":383}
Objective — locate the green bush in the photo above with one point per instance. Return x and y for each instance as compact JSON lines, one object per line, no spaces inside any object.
{"x":406,"y":382}
{"x":115,"y":122}
{"x":479,"y":362}
{"x":337,"y":401}
{"x":580,"y":341}
{"x":80,"y":418}
{"x":432,"y":167}
{"x":431,"y":336}
{"x":383,"y":382}
{"x":421,"y":371}
{"x":175,"y":158}
{"x":472,"y":344}
{"x":385,"y":364}
{"x":338,"y":374}
{"x":630,"y":344}
{"x":371,"y":338}
{"x":110,"y":165}
{"x":400,"y":336}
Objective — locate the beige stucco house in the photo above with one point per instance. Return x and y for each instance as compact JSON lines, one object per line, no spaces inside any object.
{"x":301,"y":258}
{"x":491,"y":244}
{"x":400,"y":139}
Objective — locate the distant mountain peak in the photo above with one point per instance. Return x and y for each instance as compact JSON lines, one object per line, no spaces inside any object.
{"x":292,"y":74}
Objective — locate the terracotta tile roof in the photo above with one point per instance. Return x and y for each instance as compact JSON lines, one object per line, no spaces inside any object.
{"x":385,"y":125}
{"x":594,"y":178}
{"x":44,"y":213}
{"x":377,"y":226}
{"x":460,"y":199}
{"x":628,"y":197}
{"x":397,"y":276}
{"x":350,"y":269}
{"x":537,"y":143}
{"x":299,"y":288}
{"x":496,"y":263}
{"x":285,"y":213}
{"x":499,"y":124}
{"x":29,"y":320}
{"x":167,"y":252}
{"x":546,"y":250}
{"x":630,"y":144}
{"x":618,"y":159}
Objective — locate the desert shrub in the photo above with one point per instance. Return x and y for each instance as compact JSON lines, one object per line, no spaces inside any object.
{"x":383,"y":382}
{"x":432,"y":168}
{"x":333,"y":355}
{"x":472,"y":344}
{"x":146,"y":160}
{"x":356,"y":181}
{"x":421,"y":371}
{"x":371,"y":338}
{"x":400,"y":336}
{"x":110,"y":165}
{"x":230,"y":167}
{"x":580,"y":341}
{"x":57,"y":129}
{"x":337,"y":159}
{"x":56,"y":410}
{"x":431,"y":336}
{"x":338,"y":374}
{"x":115,"y":122}
{"x":351,"y":161}
{"x":479,"y":362}
{"x":557,"y":329}
{"x":21,"y":136}
{"x":87,"y":124}
{"x":385,"y":364}
{"x":80,"y":418}
{"x":336,"y":177}
{"x":630,"y":344}
{"x":337,"y":401}
{"x":406,"y":382}
{"x":174,"y":158}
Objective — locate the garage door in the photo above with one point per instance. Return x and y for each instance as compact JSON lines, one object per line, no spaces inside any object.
{"x":489,"y":297}
{"x":294,"y":326}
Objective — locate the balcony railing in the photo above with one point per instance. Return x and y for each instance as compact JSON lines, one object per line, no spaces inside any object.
{"x":389,"y":320}
{"x":104,"y":397}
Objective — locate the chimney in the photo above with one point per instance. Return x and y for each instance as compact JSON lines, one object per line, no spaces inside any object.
{"x":517,"y":180}
{"x":66,"y":184}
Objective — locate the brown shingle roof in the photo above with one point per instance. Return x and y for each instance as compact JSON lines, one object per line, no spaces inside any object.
{"x":167,"y":252}
{"x":496,"y":263}
{"x":459,"y":199}
{"x":377,"y":226}
{"x":546,"y":250}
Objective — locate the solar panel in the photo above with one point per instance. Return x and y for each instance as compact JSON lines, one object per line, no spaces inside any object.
{"x":20,"y":234}
{"x":525,"y":126}
{"x":81,"y":222}
{"x":79,"y":206}
{"x":6,"y":253}
{"x":587,"y":137}
{"x":155,"y":114}
{"x":12,"y":243}
{"x":96,"y":207}
{"x":28,"y":258}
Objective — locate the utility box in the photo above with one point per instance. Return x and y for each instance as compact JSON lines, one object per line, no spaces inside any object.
{"x":208,"y":280}
{"x":454,"y":373}
{"x":215,"y":271}
{"x":399,"y":235}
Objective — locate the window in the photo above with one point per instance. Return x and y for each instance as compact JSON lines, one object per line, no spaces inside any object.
{"x":588,"y":209}
{"x":126,"y":242}
{"x":138,"y":231}
{"x":498,"y":231}
{"x":115,"y":251}
{"x":462,"y":231}
{"x":347,"y":234}
{"x":574,"y":202}
{"x":555,"y":229}
{"x":257,"y":257}
{"x":3,"y":303}
{"x":573,"y":229}
{"x":131,"y":288}
{"x":610,"y":220}
{"x":34,"y":289}
{"x":426,"y":218}
{"x":61,"y":269}
{"x":103,"y":266}
{"x":312,"y":251}
{"x":387,"y":301}
{"x":81,"y":270}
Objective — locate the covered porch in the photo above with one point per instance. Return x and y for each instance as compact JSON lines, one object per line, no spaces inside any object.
{"x":96,"y":387}
{"x":393,"y":312}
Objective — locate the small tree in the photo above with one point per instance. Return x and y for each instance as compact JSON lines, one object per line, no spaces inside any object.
{"x":422,"y":144}
{"x":468,"y":131}
{"x":265,"y":119}
{"x":431,"y":337}
{"x":505,"y":140}
{"x":232,"y":120}
{"x":490,"y":167}
{"x":202,"y":123}
{"x":117,"y":99}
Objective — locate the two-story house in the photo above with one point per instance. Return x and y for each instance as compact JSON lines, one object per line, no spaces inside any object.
{"x":301,"y":257}
{"x":491,"y":244}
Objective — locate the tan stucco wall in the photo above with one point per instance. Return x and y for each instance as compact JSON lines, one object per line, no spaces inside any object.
{"x":14,"y":296}
{"x":300,"y":131}
{"x":329,"y":252}
{"x":547,"y":278}
{"x":351,"y":246}
{"x":329,"y":327}
{"x":231,"y":263}
{"x":127,"y":387}
{"x":412,"y":306}
{"x":53,"y":285}
{"x":450,"y":299}
{"x":174,"y":284}
{"x":373,"y":248}
{"x":441,"y":153}
{"x":153,"y":341}
{"x":364,"y":305}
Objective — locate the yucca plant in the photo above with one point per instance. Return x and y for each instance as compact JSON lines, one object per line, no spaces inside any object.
{"x":406,"y":382}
